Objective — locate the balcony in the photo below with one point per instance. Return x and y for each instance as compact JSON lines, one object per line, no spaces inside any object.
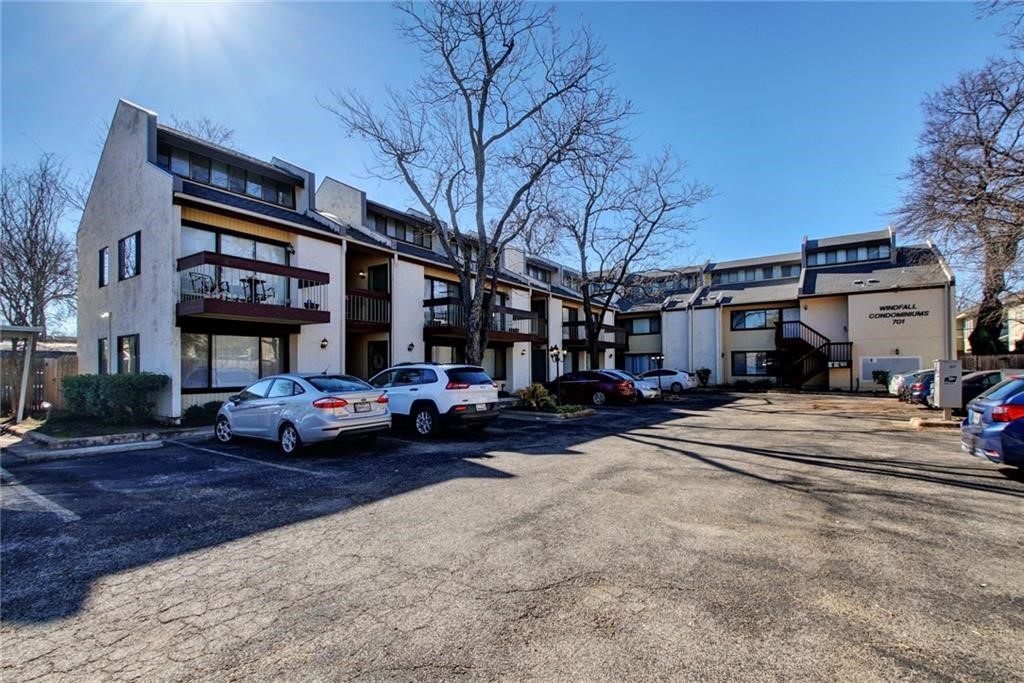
{"x":574,"y":336}
{"x":446,"y":317}
{"x":367,"y":311}
{"x":231,"y":288}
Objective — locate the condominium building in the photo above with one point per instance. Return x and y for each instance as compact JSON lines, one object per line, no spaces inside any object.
{"x":216,"y":268}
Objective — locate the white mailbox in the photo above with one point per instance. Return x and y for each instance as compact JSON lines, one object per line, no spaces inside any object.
{"x":947,"y":385}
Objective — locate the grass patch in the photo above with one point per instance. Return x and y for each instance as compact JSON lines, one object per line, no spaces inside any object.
{"x":67,"y":426}
{"x":570,"y":408}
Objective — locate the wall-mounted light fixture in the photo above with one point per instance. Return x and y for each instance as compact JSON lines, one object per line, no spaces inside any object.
{"x":523,"y":352}
{"x":290,"y":249}
{"x":362,"y":274}
{"x":323,"y":343}
{"x":897,"y":352}
{"x":410,"y":347}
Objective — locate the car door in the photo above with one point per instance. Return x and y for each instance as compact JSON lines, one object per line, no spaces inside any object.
{"x":245,"y":411}
{"x":279,"y":400}
{"x":402,"y":386}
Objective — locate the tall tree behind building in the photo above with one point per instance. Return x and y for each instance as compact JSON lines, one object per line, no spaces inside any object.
{"x":966,"y":184}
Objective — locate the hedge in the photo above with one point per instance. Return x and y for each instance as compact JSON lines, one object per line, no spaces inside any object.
{"x":114,"y":399}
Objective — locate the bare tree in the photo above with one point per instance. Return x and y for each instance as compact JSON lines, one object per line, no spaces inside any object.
{"x":205,"y":128}
{"x":966,"y":183}
{"x":501,"y":104}
{"x":1012,"y":11}
{"x":622,"y":216}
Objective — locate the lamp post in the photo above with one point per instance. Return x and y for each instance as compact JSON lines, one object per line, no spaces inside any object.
{"x":557,"y":355}
{"x":660,"y":360}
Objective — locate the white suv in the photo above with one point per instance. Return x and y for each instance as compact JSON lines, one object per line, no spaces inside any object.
{"x":432,"y":394}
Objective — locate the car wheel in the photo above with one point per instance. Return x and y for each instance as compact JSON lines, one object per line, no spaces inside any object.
{"x":677,"y":388}
{"x":424,"y":420}
{"x":222,"y":430}
{"x":289,"y":440}
{"x":598,"y":399}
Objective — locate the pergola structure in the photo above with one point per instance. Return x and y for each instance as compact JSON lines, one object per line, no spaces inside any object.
{"x":31,"y":336}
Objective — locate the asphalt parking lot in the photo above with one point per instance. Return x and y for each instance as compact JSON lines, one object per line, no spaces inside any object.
{"x":721,"y":537}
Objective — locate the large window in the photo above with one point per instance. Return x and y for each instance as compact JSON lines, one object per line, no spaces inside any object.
{"x":745,"y":363}
{"x":228,"y":361}
{"x":103,"y":267}
{"x":538,"y":273}
{"x":848,"y":255}
{"x":129,"y":256}
{"x":735,"y":276}
{"x":401,"y":231}
{"x":103,"y":356}
{"x":639,"y":362}
{"x":650,"y":325}
{"x":440,"y":289}
{"x":203,"y":169}
{"x":762,"y":318}
{"x":128,"y":354}
{"x":195,"y":240}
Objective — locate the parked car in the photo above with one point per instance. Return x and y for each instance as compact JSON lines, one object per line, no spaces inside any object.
{"x":431,"y":395}
{"x":981,"y":432}
{"x":645,"y":388}
{"x":671,"y":380}
{"x":921,"y":389}
{"x":592,"y":386}
{"x":898,"y":381}
{"x":908,"y":382}
{"x":1013,"y":443}
{"x":296,"y":409}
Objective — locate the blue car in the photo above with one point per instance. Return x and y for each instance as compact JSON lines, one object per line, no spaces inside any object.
{"x":982,"y":431}
{"x":1013,"y":443}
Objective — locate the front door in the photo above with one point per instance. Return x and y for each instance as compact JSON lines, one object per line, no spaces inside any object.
{"x":377,"y":278}
{"x":376,"y":357}
{"x":539,"y":366}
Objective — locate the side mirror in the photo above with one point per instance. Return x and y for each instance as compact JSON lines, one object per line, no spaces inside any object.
{"x":235,"y":400}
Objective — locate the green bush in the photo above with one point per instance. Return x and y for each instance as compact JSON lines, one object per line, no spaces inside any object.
{"x":202,"y":415}
{"x":536,"y":397}
{"x":703,"y":375}
{"x":114,"y":399}
{"x":880,"y":377}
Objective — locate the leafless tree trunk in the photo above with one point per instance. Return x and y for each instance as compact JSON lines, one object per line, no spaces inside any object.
{"x":501,"y":104}
{"x":38,"y":272}
{"x":966,"y":184}
{"x":621,"y":215}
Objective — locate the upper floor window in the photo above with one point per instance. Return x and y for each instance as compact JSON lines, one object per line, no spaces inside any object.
{"x":728,"y":277}
{"x":203,"y":169}
{"x":103,"y":267}
{"x":440,"y":289}
{"x":848,"y":255}
{"x":129,"y":256}
{"x":762,"y":319}
{"x":402,"y":231}
{"x":538,"y":273}
{"x":651,"y":325}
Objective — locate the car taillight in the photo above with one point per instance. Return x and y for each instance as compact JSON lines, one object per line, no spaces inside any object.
{"x":330,"y":402}
{"x":623,"y":385}
{"x":461,"y":409}
{"x":916,"y":387}
{"x":383,"y":398}
{"x":1007,"y":413}
{"x":457,"y":385}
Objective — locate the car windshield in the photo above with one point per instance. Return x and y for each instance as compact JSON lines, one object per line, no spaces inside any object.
{"x":1008,"y":388}
{"x":468,"y":375}
{"x":332,"y":384}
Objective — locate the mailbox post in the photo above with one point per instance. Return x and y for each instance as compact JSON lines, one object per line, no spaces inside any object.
{"x":948,"y":387}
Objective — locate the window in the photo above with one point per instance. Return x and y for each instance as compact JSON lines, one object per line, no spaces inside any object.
{"x":637,"y":363}
{"x":194,"y":240}
{"x":254,"y":185}
{"x":104,"y":267}
{"x":337,"y":383}
{"x":219,"y":175}
{"x":284,"y":387}
{"x":128,"y":256}
{"x":217,"y":361}
{"x":644,"y":326}
{"x":761,"y":319}
{"x":179,"y":162}
{"x":236,"y":180}
{"x":203,"y":169}
{"x":401,"y":231}
{"x":128,"y":354}
{"x":195,"y":361}
{"x":848,"y":255}
{"x":495,"y":363}
{"x":746,"y":363}
{"x":538,"y":273}
{"x":103,"y":356}
{"x":257,"y":390}
{"x":790,"y":271}
{"x":440,"y":289}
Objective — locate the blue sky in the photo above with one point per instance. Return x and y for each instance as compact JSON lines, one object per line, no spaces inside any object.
{"x":801,"y":116}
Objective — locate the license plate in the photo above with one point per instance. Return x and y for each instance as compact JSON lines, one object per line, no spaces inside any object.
{"x":975,"y":417}
{"x":362,"y":407}
{"x":481,"y":407}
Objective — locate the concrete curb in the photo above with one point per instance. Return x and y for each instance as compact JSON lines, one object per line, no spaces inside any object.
{"x":920,"y":423}
{"x":128,"y":438}
{"x":35,"y":456}
{"x":532,"y":416}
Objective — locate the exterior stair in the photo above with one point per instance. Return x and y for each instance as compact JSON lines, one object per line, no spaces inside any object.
{"x":804,"y":354}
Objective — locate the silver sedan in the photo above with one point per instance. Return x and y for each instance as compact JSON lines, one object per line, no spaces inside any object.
{"x":296,"y":409}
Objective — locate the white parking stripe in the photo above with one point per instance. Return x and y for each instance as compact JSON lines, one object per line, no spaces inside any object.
{"x":19,"y":490}
{"x":252,"y":460}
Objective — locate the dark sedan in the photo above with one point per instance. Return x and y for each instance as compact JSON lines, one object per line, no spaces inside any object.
{"x":1013,"y":443}
{"x":592,"y":386}
{"x":976,"y":382}
{"x":922,"y":387}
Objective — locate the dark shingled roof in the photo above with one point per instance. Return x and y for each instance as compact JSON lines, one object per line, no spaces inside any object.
{"x":750,"y":293}
{"x":855,"y":238}
{"x":758,"y":261}
{"x":916,"y":266}
{"x":239,"y":202}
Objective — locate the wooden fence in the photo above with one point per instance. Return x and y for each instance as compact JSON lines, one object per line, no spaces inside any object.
{"x":1000,"y":361}
{"x":45,"y":378}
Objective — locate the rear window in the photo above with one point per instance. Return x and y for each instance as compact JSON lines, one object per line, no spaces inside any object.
{"x":468,"y":375}
{"x":337,"y":383}
{"x":1004,"y":390}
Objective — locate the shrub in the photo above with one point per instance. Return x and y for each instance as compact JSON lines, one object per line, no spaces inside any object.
{"x":880,"y":377}
{"x":114,"y":399}
{"x":703,"y":375}
{"x":202,"y":415}
{"x":536,"y":397}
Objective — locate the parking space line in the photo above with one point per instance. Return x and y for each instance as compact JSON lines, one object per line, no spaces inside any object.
{"x":40,"y":500}
{"x":279,"y":466}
